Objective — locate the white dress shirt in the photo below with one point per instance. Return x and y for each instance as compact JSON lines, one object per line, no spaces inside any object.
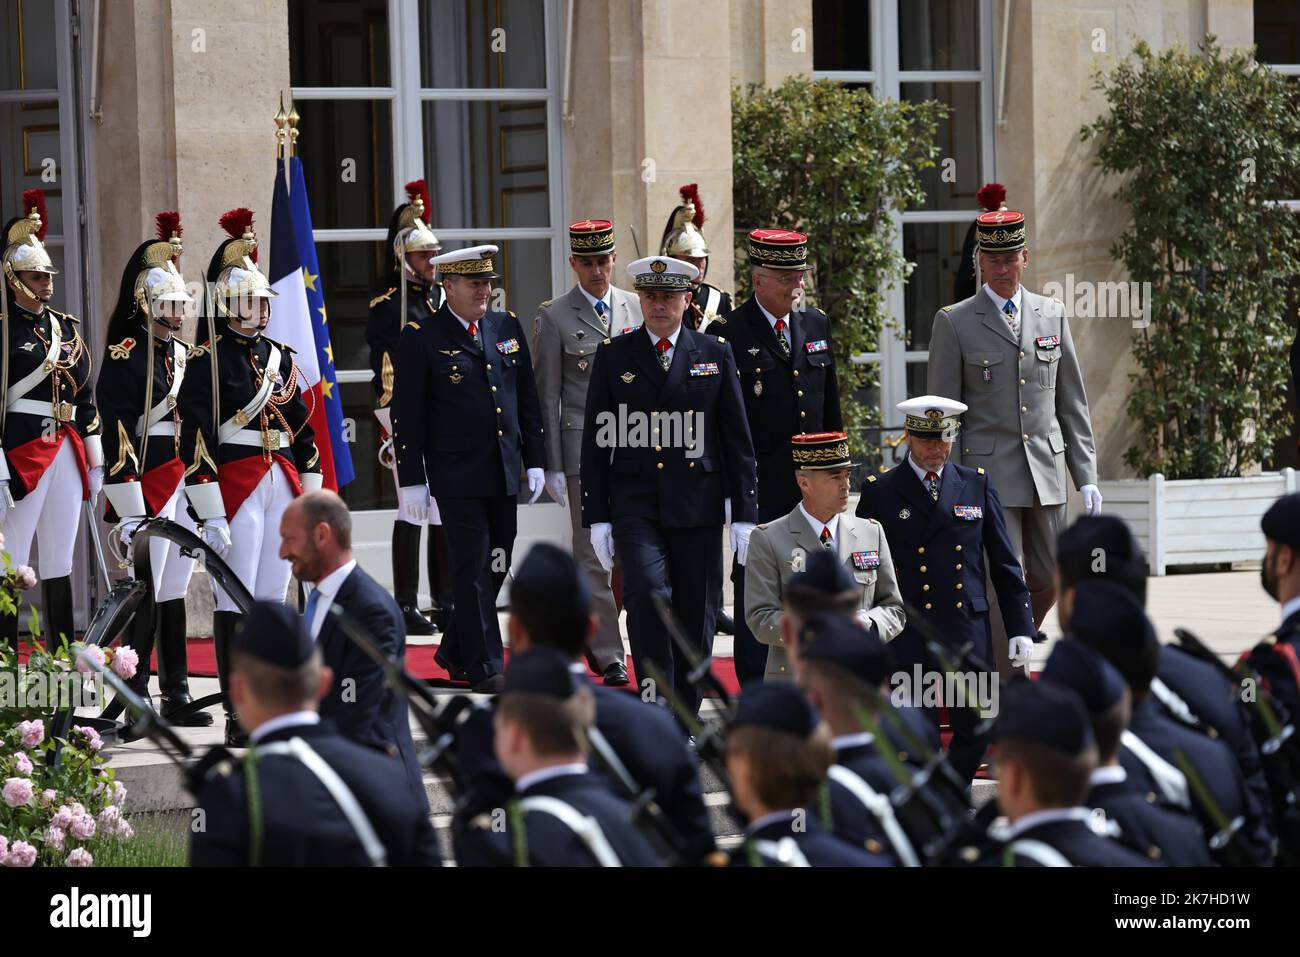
{"x":1002,"y":303}
{"x":1291,"y":607}
{"x":921,"y":473}
{"x":328,"y":587}
{"x":464,"y":324}
{"x":654,"y":341}
{"x":1110,"y":774}
{"x":817,"y":526}
{"x":545,"y":774}
{"x":771,"y":321}
{"x":1083,"y":814}
{"x":859,"y":739}
{"x":294,"y":719}
{"x":592,"y":300}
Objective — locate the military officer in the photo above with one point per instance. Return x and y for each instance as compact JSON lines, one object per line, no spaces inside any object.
{"x":940,"y":557}
{"x":410,"y":293}
{"x":137,"y":393}
{"x":1138,"y":819}
{"x":684,"y":240}
{"x":253,"y":452}
{"x":1278,"y":656}
{"x":304,"y":795}
{"x":787,"y":376}
{"x":1007,"y":354}
{"x":53,"y":458}
{"x":568,"y":331}
{"x":666,"y":461}
{"x":780,"y":548}
{"x":466,"y":423}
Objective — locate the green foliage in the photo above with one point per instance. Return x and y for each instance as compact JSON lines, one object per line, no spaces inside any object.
{"x":1200,"y":142}
{"x":838,"y":164}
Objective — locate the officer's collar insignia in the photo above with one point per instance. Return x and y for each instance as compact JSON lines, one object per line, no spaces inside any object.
{"x":968,"y":513}
{"x":28,"y":346}
{"x":905,"y":514}
{"x":450,"y":352}
{"x":754,"y":351}
{"x":864,"y":561}
{"x":817,"y":345}
{"x":704,"y":368}
{"x":579,"y":334}
{"x":119,"y":351}
{"x":1048,"y":342}
{"x":508,"y":346}
{"x":628,"y":377}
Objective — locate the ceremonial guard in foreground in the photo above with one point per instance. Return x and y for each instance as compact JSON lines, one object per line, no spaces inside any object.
{"x":52,"y":460}
{"x":138,"y":394}
{"x":246,"y":434}
{"x":667,"y":461}
{"x":410,"y":293}
{"x":1278,"y":657}
{"x":787,"y":377}
{"x":941,"y":519}
{"x":569,"y":330}
{"x":1007,"y":354}
{"x":779,"y":549}
{"x":303,"y":795}
{"x":466,"y":425}
{"x":684,"y":240}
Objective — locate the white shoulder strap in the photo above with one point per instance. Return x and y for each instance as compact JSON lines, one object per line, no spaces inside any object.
{"x":42,"y":371}
{"x":586,"y":828}
{"x":343,"y":796}
{"x":1040,"y":853}
{"x":712,"y":300}
{"x":1174,"y":704}
{"x":785,"y":852}
{"x":1171,"y":781}
{"x":883,"y":810}
{"x":164,"y":408}
{"x":245,"y":415}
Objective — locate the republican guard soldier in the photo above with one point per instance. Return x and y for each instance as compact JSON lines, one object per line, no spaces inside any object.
{"x":410,"y":293}
{"x":1007,"y":354}
{"x":466,"y":424}
{"x":568,"y":331}
{"x":667,"y":461}
{"x":53,"y":459}
{"x":684,"y":240}
{"x":941,"y":519}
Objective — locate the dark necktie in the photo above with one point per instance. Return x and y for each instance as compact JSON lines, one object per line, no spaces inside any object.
{"x":932,"y":482}
{"x":663,"y":345}
{"x":826,"y":537}
{"x":601,"y":309}
{"x":781,"y":340}
{"x":1009,"y":309}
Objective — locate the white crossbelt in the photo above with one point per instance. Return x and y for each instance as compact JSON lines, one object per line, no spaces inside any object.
{"x":784,"y":852}
{"x":32,"y":407}
{"x":163,"y":410}
{"x":1171,"y":781}
{"x":712,"y":300}
{"x":881,"y":809}
{"x":24,"y":385}
{"x":1174,"y":704}
{"x":343,"y":796}
{"x":1040,"y":853}
{"x":586,"y":828}
{"x":233,"y":426}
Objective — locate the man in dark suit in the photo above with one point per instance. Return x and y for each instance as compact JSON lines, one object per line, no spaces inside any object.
{"x":666,"y":461}
{"x":787,"y":378}
{"x":941,"y":519}
{"x":318,"y":799}
{"x":316,"y":538}
{"x":467,"y":422}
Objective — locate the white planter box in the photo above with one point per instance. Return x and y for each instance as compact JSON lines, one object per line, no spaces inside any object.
{"x":1196,"y":521}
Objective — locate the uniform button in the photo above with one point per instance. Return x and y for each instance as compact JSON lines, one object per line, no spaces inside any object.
{"x":803,"y":415}
{"x":498,"y":411}
{"x":659,"y":448}
{"x":494,"y":388}
{"x":959,"y":586}
{"x":1024,"y":408}
{"x":1025,"y":436}
{"x":489,"y":367}
{"x":801,"y":393}
{"x":1022,"y":381}
{"x":796,"y":373}
{"x":922,"y":568}
{"x":959,"y":566}
{"x":958,"y":548}
{"x":1022,"y":353}
{"x":986,"y":361}
{"x":691,"y":466}
{"x":500,"y":433}
{"x":925,"y":588}
{"x":659,"y":465}
{"x":958,"y":604}
{"x":928,"y":606}
{"x":921,"y":550}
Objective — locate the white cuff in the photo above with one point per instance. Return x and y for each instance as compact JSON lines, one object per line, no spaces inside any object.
{"x":206,"y":499}
{"x":311,"y":481}
{"x":127,"y":499}
{"x":94,"y":446}
{"x":4,"y":466}
{"x":385,"y":417}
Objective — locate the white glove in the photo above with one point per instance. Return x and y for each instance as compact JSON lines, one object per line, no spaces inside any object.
{"x":216,"y":533}
{"x":95,"y":479}
{"x":740,"y":539}
{"x":126,"y":530}
{"x":6,"y":500}
{"x":602,"y":540}
{"x":413,"y":504}
{"x":536,"y":482}
{"x":1091,"y":499}
{"x":558,"y":487}
{"x":1020,"y":649}
{"x":862,"y":618}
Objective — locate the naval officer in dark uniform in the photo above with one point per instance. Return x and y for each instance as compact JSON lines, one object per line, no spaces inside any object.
{"x":787,"y":378}
{"x":303,"y":796}
{"x":467,"y":423}
{"x":940,"y":520}
{"x":666,"y":461}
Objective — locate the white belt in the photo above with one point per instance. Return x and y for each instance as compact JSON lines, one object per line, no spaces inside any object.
{"x":254,"y":437}
{"x":36,"y":407}
{"x":162,"y":428}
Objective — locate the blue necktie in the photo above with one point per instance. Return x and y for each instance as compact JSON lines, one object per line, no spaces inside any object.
{"x":309,"y":612}
{"x":1010,"y":310}
{"x":600,"y":309}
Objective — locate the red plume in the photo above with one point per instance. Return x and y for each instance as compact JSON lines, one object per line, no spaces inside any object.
{"x":36,"y":197}
{"x":169,"y":223}
{"x":991,"y":196}
{"x":416,"y":188}
{"x":691,"y":194}
{"x":236,"y":222}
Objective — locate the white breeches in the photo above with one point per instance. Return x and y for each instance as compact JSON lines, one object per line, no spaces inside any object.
{"x":254,"y":554}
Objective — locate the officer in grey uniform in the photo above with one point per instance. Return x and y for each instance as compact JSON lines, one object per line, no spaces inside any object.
{"x":568,"y":332}
{"x":1007,"y":354}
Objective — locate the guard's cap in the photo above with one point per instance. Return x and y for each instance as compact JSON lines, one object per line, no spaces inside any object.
{"x":543,"y":671}
{"x":846,"y":643}
{"x":778,"y":249}
{"x":549,"y":581}
{"x":1108,"y":614}
{"x":778,"y":707}
{"x":1094,"y":679}
{"x":475,"y":262}
{"x":1282,"y":520}
{"x":275,"y":634}
{"x":662,"y":272}
{"x":1044,"y":712}
{"x":1100,"y":546}
{"x":932,"y":416}
{"x":820,"y":451}
{"x":591,"y":237}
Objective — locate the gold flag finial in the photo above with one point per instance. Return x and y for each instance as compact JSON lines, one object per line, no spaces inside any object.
{"x":293,"y":128}
{"x":281,"y":133}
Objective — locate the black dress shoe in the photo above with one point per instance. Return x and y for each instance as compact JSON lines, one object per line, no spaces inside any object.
{"x":197,"y":719}
{"x":236,"y":737}
{"x":416,"y":624}
{"x":492,"y":684}
{"x":616,"y":675}
{"x":724,"y":625}
{"x":454,"y":671}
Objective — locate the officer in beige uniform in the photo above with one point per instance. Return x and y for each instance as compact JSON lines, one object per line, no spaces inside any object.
{"x":779,"y":549}
{"x":568,"y":332}
{"x":1007,"y":354}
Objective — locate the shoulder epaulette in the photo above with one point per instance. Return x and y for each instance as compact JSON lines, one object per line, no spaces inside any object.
{"x":761,"y":525}
{"x":511,"y":314}
{"x":413,"y":325}
{"x":871,"y":478}
{"x":546,"y":303}
{"x":720,"y":339}
{"x":188,"y":345}
{"x":947,"y":308}
{"x":382,"y":297}
{"x":64,"y":315}
{"x":122,"y":350}
{"x":980,"y":469}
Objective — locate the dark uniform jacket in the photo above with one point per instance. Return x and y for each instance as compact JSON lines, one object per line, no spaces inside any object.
{"x":1075,"y":840}
{"x":668,"y":482}
{"x":1278,"y":662}
{"x":762,"y":846}
{"x":466,"y":419}
{"x":66,"y":393}
{"x":1143,"y":823}
{"x":784,"y":395}
{"x":708,"y":305}
{"x":938,"y":550}
{"x":302,"y":825}
{"x":384,"y":326}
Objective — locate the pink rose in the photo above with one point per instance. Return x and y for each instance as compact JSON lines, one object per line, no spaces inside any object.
{"x":83,"y":827}
{"x":125,"y":662}
{"x":48,"y":797}
{"x":21,"y":854}
{"x":89,"y":651}
{"x":33,"y":732}
{"x":17,"y":791}
{"x":108,"y":819}
{"x":54,"y":837}
{"x":80,"y":858}
{"x":93,"y":740}
{"x":124,"y":830}
{"x":4,"y":849}
{"x":24,"y":577}
{"x":119,"y":793}
{"x":62,"y":818}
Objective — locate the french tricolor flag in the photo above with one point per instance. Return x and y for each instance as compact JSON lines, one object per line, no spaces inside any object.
{"x":298,"y":319}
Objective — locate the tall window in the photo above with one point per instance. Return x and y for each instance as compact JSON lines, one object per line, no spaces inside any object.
{"x":914,"y":50}
{"x":461,"y":93}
